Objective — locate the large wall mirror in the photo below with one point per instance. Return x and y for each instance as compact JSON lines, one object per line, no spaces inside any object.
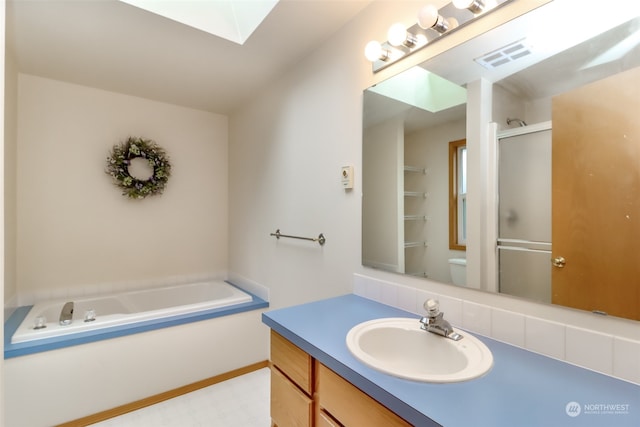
{"x":566,"y":103}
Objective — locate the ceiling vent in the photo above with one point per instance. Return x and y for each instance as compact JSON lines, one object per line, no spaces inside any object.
{"x":504,"y":55}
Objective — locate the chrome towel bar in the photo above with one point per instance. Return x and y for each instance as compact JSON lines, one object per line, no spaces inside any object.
{"x":320,"y":239}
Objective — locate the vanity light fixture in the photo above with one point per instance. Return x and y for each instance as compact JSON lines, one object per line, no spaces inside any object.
{"x":431,"y":25}
{"x":474,"y":6}
{"x":399,"y":36}
{"x":428,"y":17}
{"x":373,"y":51}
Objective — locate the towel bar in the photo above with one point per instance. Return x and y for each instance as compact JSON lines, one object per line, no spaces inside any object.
{"x":320,"y":239}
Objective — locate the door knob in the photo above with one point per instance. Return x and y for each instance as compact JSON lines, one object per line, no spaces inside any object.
{"x":558,"y":262}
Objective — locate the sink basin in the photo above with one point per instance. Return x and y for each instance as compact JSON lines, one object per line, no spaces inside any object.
{"x":399,"y":347}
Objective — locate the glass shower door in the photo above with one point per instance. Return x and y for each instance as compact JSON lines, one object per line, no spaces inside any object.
{"x":524,"y":213}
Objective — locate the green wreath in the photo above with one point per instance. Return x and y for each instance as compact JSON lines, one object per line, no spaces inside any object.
{"x":118,"y":167}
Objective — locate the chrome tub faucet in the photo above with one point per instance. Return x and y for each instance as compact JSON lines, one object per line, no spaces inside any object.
{"x":434,"y":321}
{"x":66,"y":315}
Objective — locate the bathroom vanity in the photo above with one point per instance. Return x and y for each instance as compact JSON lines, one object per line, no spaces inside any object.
{"x":304,"y":392}
{"x":316,"y":381}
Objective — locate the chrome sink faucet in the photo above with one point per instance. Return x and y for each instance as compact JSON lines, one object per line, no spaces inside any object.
{"x":66,"y":315}
{"x":434,"y":321}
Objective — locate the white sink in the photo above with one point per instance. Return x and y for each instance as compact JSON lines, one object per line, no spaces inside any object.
{"x":399,"y":347}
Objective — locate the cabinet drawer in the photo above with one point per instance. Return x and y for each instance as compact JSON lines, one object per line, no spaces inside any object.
{"x":289,"y":406}
{"x":352,"y":407}
{"x":325,"y":420}
{"x":295,"y":363}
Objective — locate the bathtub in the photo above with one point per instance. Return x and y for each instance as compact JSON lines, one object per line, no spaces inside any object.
{"x":95,"y":313}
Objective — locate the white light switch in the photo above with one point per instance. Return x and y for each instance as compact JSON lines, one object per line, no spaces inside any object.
{"x":347,"y":177}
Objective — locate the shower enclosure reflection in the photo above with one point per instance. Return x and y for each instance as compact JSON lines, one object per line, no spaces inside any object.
{"x":524,"y":213}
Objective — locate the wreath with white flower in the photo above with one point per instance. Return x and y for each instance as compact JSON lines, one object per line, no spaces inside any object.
{"x":120,"y":159}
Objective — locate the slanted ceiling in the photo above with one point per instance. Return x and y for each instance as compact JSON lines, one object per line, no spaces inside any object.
{"x":112,"y":45}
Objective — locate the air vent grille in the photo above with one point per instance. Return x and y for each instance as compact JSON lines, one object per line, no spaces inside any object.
{"x":504,"y":55}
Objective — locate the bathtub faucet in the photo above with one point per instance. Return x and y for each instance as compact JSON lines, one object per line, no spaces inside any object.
{"x":66,"y":315}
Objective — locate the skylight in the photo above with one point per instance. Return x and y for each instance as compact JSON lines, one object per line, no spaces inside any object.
{"x":422,"y":89}
{"x":234,"y":20}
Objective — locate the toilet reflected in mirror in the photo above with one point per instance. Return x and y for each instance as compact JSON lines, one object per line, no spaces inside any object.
{"x":458,"y":269}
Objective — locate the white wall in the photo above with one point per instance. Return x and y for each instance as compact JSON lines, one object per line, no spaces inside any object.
{"x":10,"y":150}
{"x":506,"y":104}
{"x":75,"y":232}
{"x":286,"y":148}
{"x":382,"y":181}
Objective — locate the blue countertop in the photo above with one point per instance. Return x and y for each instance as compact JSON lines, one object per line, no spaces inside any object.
{"x":522,"y":389}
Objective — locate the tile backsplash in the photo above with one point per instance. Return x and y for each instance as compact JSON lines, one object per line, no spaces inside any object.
{"x":604,"y":353}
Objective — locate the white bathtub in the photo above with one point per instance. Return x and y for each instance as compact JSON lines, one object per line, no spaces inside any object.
{"x":127,"y":308}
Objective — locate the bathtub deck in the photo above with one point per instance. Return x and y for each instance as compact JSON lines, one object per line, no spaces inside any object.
{"x":46,"y":344}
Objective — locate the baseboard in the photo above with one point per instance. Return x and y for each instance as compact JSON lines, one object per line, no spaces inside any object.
{"x":152,"y":400}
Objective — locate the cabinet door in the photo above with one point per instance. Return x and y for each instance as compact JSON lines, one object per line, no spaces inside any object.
{"x":347,"y":404}
{"x":290,"y":407}
{"x":292,"y":361}
{"x":325,"y":420}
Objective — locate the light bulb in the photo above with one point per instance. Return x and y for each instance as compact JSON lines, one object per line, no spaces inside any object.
{"x":397,"y":34}
{"x":490,"y":4}
{"x":427,"y":16}
{"x":475,"y":6}
{"x":462,"y":4}
{"x":373,"y":51}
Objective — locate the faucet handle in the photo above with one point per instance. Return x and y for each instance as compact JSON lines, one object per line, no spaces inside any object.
{"x":432,"y":306}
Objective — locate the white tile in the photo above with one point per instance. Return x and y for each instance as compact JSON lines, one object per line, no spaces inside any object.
{"x":626,"y":359}
{"x":476,"y":318}
{"x":359,"y":285}
{"x":589,"y":349}
{"x":368,"y":288}
{"x":452,"y":309}
{"x":545,"y":337}
{"x":407,"y":299}
{"x":507,"y":326}
{"x":389,"y":294}
{"x":373,"y":290}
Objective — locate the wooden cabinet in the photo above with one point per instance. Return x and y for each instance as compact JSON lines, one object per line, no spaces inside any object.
{"x":350,"y":406}
{"x":291,"y":384}
{"x":289,"y":405}
{"x":306,"y":393}
{"x":325,"y":420}
{"x":293,"y":362}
